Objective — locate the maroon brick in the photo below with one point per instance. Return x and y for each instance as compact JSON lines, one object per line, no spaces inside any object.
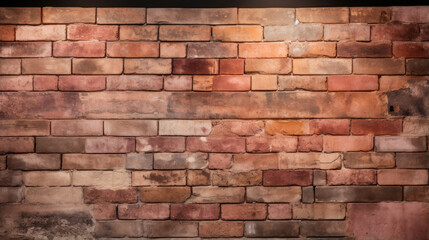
{"x":395,"y":32}
{"x":413,"y":49}
{"x":287,"y":178}
{"x":195,"y":211}
{"x":376,"y":126}
{"x":195,"y":66}
{"x":361,"y":49}
{"x":93,"y":195}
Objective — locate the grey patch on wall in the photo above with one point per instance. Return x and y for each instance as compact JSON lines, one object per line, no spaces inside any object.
{"x":411,"y":101}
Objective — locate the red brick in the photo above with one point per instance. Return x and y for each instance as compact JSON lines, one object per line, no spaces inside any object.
{"x":16,"y":83}
{"x":45,"y":83}
{"x":262,"y":50}
{"x":323,"y":15}
{"x":192,"y":15}
{"x":347,"y":143}
{"x":134,"y":82}
{"x":164,"y":194}
{"x":248,"y":162}
{"x":81,"y":83}
{"x":351,"y":177}
{"x":121,"y":15}
{"x":231,"y":66}
{"x":93,"y":195}
{"x":16,"y":144}
{"x":68,"y":15}
{"x":220,"y":161}
{"x":402,"y":177}
{"x":92,"y":32}
{"x":225,"y":178}
{"x":353,"y":83}
{"x":184,"y":33}
{"x":27,"y":15}
{"x":287,"y":127}
{"x":173,"y":50}
{"x":415,"y":14}
{"x":138,"y":32}
{"x":315,"y":66}
{"x":355,"y":32}
{"x":244,"y":211}
{"x":272,"y":144}
{"x":41,"y":33}
{"x":46,"y":66}
{"x":369,"y":15}
{"x":10,"y":66}
{"x":312,"y":49}
{"x":178,"y":83}
{"x":132,"y":49}
{"x":158,"y":178}
{"x":407,"y":50}
{"x":220,"y":229}
{"x":147,"y":66}
{"x":25,"y":49}
{"x":145,"y":211}
{"x":11,"y":128}
{"x":395,"y":32}
{"x":287,"y":178}
{"x":104,"y":211}
{"x":34,"y":161}
{"x":212,"y":50}
{"x":376,"y":126}
{"x":79,"y":49}
{"x":110,"y":145}
{"x":231,"y":83}
{"x":160,"y":144}
{"x":97,"y":66}
{"x":195,"y":211}
{"x":211,"y":144}
{"x":7,"y":33}
{"x":245,"y":33}
{"x":77,"y":127}
{"x":93,"y":161}
{"x":361,"y":49}
{"x":279,"y":211}
{"x":387,"y":66}
{"x":310,"y":143}
{"x":233,"y":128}
{"x":268,"y":66}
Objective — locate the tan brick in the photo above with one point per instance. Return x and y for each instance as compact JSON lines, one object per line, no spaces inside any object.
{"x":199,"y":178}
{"x":68,"y":15}
{"x":121,"y":15}
{"x":46,"y":66}
{"x":53,"y":195}
{"x":301,"y":32}
{"x":14,"y":15}
{"x":310,"y":160}
{"x":273,"y":194}
{"x":146,"y":211}
{"x":138,"y":32}
{"x":203,"y":83}
{"x":319,"y":211}
{"x":24,"y":127}
{"x":402,"y":177}
{"x":323,"y":15}
{"x":164,"y":194}
{"x":93,"y":161}
{"x":10,"y":66}
{"x":244,"y":211}
{"x":25,"y":49}
{"x":158,"y":178}
{"x":97,"y":66}
{"x":184,"y":33}
{"x":370,"y":14}
{"x":148,"y":66}
{"x":315,"y":83}
{"x":347,"y":143}
{"x":192,"y":15}
{"x":130,"y":127}
{"x":245,"y":33}
{"x":102,"y":179}
{"x":47,"y":178}
{"x":41,"y":33}
{"x":268,"y":66}
{"x":264,"y":82}
{"x":77,"y":127}
{"x":315,"y":66}
{"x":216,"y":195}
{"x":173,"y":50}
{"x":266,"y":16}
{"x":338,"y":32}
{"x":185,"y":127}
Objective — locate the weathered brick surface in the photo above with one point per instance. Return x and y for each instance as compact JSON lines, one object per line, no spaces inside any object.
{"x":146,"y":211}
{"x":121,"y":15}
{"x":25,"y":49}
{"x":68,"y":15}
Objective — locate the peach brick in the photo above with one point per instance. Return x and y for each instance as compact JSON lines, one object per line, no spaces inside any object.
{"x":16,"y":83}
{"x":376,"y":126}
{"x":279,"y":211}
{"x":244,"y":211}
{"x":402,"y":177}
{"x":199,"y":178}
{"x":45,"y":83}
{"x":92,"y":32}
{"x":7,"y":33}
{"x":101,"y":179}
{"x":25,"y":49}
{"x":353,"y":83}
{"x":24,"y":15}
{"x":195,"y":211}
{"x":351,"y":177}
{"x":77,"y":127}
{"x":231,"y":66}
{"x":202,"y":83}
{"x":138,"y":32}
{"x":315,"y":66}
{"x":262,"y":50}
{"x":184,"y":33}
{"x":145,"y":211}
{"x":347,"y":143}
{"x":312,"y":49}
{"x":386,"y":66}
{"x":245,"y":33}
{"x":41,"y":33}
{"x":231,"y":83}
{"x":370,"y":14}
{"x":173,"y":50}
{"x":47,"y":178}
{"x":356,"y":32}
{"x":272,"y":144}
{"x":121,"y":15}
{"x":323,"y":15}
{"x":268,"y":66}
{"x":287,"y":127}
{"x":46,"y":66}
{"x":178,"y":83}
{"x":264,"y":82}
{"x":81,"y":83}
{"x":220,"y":229}
{"x":68,"y":15}
{"x":97,"y":66}
{"x":248,"y":162}
{"x":132,"y":49}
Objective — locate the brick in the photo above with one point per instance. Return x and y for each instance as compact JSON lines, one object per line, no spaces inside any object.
{"x":370,"y":15}
{"x":424,"y":32}
{"x":353,"y":83}
{"x":212,"y":50}
{"x":164,"y":194}
{"x":104,"y":211}
{"x":287,"y":127}
{"x":314,"y":66}
{"x":134,"y":82}
{"x":160,"y":144}
{"x":173,"y":50}
{"x":11,"y":194}
{"x":41,"y":33}
{"x":34,"y":161}
{"x":119,"y":229}
{"x":330,"y":126}
{"x":14,"y":15}
{"x":216,"y":195}
{"x":273,"y":194}
{"x":394,"y":32}
{"x":312,"y":49}
{"x":417,"y":66}
{"x":195,"y":66}
{"x":323,"y":228}
{"x":2,"y":162}
{"x":407,"y":50}
{"x":272,"y":144}
{"x":271,"y":229}
{"x":231,"y":83}
{"x":68,"y":15}
{"x":195,"y":211}
{"x":354,"y":32}
{"x":347,"y":143}
{"x":323,"y":15}
{"x":262,"y":50}
{"x":92,"y":32}
{"x":79,"y":49}
{"x":199,"y":178}
{"x":319,"y":211}
{"x":203,"y":83}
{"x":77,"y":127}
{"x":47,"y":178}
{"x":319,"y":178}
{"x":244,"y":33}
{"x":279,"y":211}
{"x":180,"y":160}
{"x":184,"y":33}
{"x":416,"y":193}
{"x":224,"y":178}
{"x":121,"y":15}
{"x":7,"y":33}
{"x":24,"y":127}
{"x":310,"y":143}
{"x":389,"y":83}
{"x":185,"y":127}
{"x":25,"y":49}
{"x":138,"y":32}
{"x":402,"y":177}
{"x":148,"y":66}
{"x":369,"y":160}
{"x":146,"y":211}
{"x":132,"y":49}
{"x":130,"y":127}
{"x":417,"y":14}
{"x":45,"y":83}
{"x":301,"y":32}
{"x":358,"y":194}
{"x":101,"y":179}
{"x":11,"y":178}
{"x":400,"y":144}
{"x":46,"y":66}
{"x":234,"y":128}
{"x":139,"y":161}
{"x":110,"y":145}
{"x":103,"y":196}
{"x":268,"y":66}
{"x":244,"y":211}
{"x":220,"y":160}
{"x":195,"y":144}
{"x":314,"y":83}
{"x":53,"y":195}
{"x":376,"y":126}
{"x":158,"y":178}
{"x":264,"y":82}
{"x":266,"y":16}
{"x":97,"y":66}
{"x":361,"y":49}
{"x":287,"y":178}
{"x":81,"y":83}
{"x":93,"y":161}
{"x":351,"y":177}
{"x":310,"y":160}
{"x":178,"y":83}
{"x":220,"y":229}
{"x":192,"y":15}
{"x":308,"y":194}
{"x":409,"y":220}
{"x":16,"y":144}
{"x":172,"y":229}
{"x":247,"y":162}
{"x":10,"y":66}
{"x":412,"y":160}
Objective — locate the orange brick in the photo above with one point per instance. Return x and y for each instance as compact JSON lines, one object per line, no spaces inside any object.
{"x":262,"y":50}
{"x":231,"y":66}
{"x":266,"y":16}
{"x":245,"y":33}
{"x":289,"y":127}
{"x":231,"y":83}
{"x":212,"y":50}
{"x":347,"y":143}
{"x":203,"y":83}
{"x":7,"y":33}
{"x":268,"y":66}
{"x":353,"y":83}
{"x":264,"y":82}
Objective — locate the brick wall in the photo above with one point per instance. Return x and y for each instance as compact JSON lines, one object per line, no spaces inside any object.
{"x":206,"y":123}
